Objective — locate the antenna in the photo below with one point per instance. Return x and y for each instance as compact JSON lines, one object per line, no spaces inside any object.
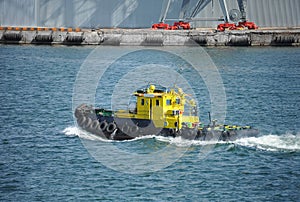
{"x":209,"y":117}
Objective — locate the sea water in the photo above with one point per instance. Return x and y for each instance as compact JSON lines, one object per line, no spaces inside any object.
{"x":45,"y":157}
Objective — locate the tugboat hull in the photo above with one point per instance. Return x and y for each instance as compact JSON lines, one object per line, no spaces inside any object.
{"x":109,"y":127}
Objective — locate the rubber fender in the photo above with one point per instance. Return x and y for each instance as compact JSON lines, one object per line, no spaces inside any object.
{"x":239,"y":41}
{"x":81,"y":121}
{"x":77,"y":39}
{"x":87,"y":123}
{"x":111,"y":127}
{"x":98,"y":131}
{"x":154,"y":40}
{"x":78,"y":113}
{"x":44,"y":38}
{"x":287,"y":40}
{"x":201,"y":40}
{"x":95,"y":124}
{"x":125,"y":128}
{"x":188,"y":132}
{"x":12,"y":36}
{"x":199,"y":134}
{"x":103,"y":125}
{"x":98,"y":127}
{"x":172,"y":132}
{"x":134,"y":129}
{"x":225,"y":135}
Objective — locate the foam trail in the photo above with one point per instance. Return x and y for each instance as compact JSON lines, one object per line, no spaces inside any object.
{"x":71,"y":131}
{"x":285,"y":142}
{"x":180,"y":142}
{"x":74,"y":131}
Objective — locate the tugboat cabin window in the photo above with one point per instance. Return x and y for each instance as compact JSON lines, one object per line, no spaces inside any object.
{"x":142,"y":102}
{"x":177,"y":101}
{"x":168,"y":102}
{"x":157,"y":102}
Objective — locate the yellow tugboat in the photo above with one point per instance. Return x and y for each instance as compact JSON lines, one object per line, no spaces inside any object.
{"x":165,"y":112}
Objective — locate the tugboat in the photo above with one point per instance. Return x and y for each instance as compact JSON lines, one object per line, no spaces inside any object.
{"x":163,"y":111}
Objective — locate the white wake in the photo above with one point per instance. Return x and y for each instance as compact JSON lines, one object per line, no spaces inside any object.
{"x":284,"y":142}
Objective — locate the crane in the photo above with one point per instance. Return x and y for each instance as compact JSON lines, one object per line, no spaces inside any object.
{"x":237,"y":16}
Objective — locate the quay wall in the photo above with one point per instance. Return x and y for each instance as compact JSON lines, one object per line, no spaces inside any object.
{"x":149,"y":37}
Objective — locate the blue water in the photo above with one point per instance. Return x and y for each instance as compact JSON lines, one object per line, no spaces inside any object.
{"x":44,"y":157}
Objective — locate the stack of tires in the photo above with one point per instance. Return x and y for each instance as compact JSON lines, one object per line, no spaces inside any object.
{"x":86,"y":122}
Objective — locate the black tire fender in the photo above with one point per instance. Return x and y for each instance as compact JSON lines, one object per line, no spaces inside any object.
{"x":125,"y":128}
{"x":103,"y":125}
{"x":95,"y":124}
{"x":225,"y":135}
{"x":111,"y":127}
{"x":81,"y":121}
{"x":87,"y":123}
{"x":78,"y":113}
{"x":134,"y":129}
{"x":172,"y":132}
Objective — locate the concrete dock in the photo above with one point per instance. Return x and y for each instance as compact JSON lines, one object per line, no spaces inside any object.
{"x":150,"y":37}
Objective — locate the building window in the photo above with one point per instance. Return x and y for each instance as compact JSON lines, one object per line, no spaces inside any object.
{"x":168,"y":102}
{"x":177,"y":101}
{"x":142,"y":102}
{"x":157,"y":102}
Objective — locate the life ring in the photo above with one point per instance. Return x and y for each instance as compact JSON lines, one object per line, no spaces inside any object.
{"x":81,"y":121}
{"x":125,"y":128}
{"x":111,"y":127}
{"x":103,"y":125}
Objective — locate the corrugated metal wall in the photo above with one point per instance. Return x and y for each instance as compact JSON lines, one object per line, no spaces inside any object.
{"x":136,"y":13}
{"x":80,"y":13}
{"x":17,"y":12}
{"x":274,"y":13}
{"x":265,"y":13}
